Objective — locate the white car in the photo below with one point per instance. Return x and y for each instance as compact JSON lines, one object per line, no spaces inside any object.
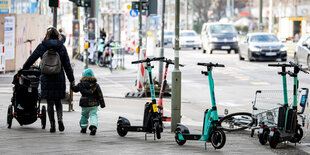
{"x":302,"y":51}
{"x":189,"y":39}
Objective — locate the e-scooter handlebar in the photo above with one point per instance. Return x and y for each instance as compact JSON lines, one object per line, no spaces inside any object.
{"x":148,"y":60}
{"x":280,"y":65}
{"x":210,"y":64}
{"x":169,"y":61}
{"x":299,"y":67}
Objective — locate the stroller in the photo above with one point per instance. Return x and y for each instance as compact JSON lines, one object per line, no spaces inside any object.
{"x":25,"y":107}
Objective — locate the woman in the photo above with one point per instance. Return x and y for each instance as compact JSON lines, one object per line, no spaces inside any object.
{"x":53,"y":86}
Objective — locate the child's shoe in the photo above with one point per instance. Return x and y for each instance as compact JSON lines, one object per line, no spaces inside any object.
{"x":83,"y":130}
{"x":93,"y":130}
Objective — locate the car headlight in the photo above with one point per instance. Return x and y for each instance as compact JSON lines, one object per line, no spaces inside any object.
{"x":283,"y":48}
{"x":235,"y":39}
{"x":214,"y":39}
{"x":255,"y":49}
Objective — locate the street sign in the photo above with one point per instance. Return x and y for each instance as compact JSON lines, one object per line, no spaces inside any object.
{"x":134,"y":13}
{"x":4,"y":6}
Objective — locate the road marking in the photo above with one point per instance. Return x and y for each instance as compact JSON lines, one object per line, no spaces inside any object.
{"x":260,"y":83}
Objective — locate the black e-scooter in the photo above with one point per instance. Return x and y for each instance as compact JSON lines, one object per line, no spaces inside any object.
{"x":288,"y":128}
{"x":152,"y":120}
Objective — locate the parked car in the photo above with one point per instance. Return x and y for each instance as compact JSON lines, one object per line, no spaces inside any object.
{"x":302,"y":51}
{"x":189,"y":39}
{"x":168,"y":35}
{"x":262,"y":46}
{"x":219,"y":36}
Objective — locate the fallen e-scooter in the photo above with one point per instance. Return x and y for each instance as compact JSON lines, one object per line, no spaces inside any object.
{"x":162,"y":90}
{"x":152,"y":120}
{"x":211,"y":131}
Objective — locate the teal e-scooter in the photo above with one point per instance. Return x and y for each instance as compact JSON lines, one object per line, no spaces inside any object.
{"x":211,"y":131}
{"x":288,"y":128}
{"x":152,"y":120}
{"x":264,"y":131}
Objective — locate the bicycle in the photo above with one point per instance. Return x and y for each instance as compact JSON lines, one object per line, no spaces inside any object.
{"x":30,"y":42}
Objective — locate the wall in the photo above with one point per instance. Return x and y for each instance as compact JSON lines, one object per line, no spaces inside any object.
{"x":28,"y":26}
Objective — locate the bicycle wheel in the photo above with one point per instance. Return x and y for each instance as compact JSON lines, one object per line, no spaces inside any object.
{"x":237,"y":121}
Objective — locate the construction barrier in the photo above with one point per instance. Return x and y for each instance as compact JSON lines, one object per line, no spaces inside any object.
{"x":2,"y":59}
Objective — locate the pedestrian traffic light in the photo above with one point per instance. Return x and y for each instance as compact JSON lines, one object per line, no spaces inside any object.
{"x":152,"y":7}
{"x":87,"y":3}
{"x":53,"y":3}
{"x":77,"y":2}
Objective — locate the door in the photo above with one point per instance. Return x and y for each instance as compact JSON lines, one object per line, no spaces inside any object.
{"x":244,"y":47}
{"x":303,"y":53}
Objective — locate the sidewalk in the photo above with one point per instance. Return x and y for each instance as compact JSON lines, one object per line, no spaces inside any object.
{"x":31,"y":139}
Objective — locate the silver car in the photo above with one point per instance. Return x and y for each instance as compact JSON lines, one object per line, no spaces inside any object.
{"x":262,"y":46}
{"x":302,"y":51}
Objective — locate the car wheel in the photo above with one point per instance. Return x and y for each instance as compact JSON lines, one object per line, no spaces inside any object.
{"x":249,"y":56}
{"x":236,"y":51}
{"x":295,"y":58}
{"x":228,"y":51}
{"x":308,"y":61}
{"x":211,"y":51}
{"x":204,"y":51}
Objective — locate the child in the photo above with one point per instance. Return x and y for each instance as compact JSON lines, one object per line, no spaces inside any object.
{"x":90,"y":100}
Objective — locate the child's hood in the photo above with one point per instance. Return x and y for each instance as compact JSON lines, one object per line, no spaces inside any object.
{"x":88,"y":83}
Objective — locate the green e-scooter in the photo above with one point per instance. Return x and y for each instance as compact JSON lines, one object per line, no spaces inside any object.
{"x":288,"y":128}
{"x":211,"y":131}
{"x":264,"y":131}
{"x":152,"y":120}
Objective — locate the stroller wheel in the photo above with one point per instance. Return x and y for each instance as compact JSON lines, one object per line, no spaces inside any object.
{"x":10,"y":116}
{"x":43,"y":117}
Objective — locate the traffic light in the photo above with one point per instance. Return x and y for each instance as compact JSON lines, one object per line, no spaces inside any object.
{"x":77,"y":2}
{"x":152,"y":7}
{"x":53,"y":3}
{"x":82,"y":3}
{"x":87,"y":3}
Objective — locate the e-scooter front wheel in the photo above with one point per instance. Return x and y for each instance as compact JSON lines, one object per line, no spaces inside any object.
{"x":121,"y":130}
{"x":177,"y":132}
{"x":218,"y":139}
{"x":237,"y":121}
{"x":157,"y":130}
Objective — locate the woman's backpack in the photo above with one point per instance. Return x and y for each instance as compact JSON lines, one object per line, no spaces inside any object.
{"x":51,"y":63}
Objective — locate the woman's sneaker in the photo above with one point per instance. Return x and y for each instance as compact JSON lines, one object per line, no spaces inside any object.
{"x":53,"y":128}
{"x":61,"y":126}
{"x":83,"y":130}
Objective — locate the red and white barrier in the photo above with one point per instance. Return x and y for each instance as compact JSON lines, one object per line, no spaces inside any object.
{"x":2,"y":58}
{"x":142,"y":73}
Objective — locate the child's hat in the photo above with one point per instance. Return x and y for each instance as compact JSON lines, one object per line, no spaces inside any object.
{"x":88,"y":72}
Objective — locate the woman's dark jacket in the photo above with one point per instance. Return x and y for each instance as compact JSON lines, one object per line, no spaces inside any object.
{"x":53,"y":87}
{"x":91,"y":92}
